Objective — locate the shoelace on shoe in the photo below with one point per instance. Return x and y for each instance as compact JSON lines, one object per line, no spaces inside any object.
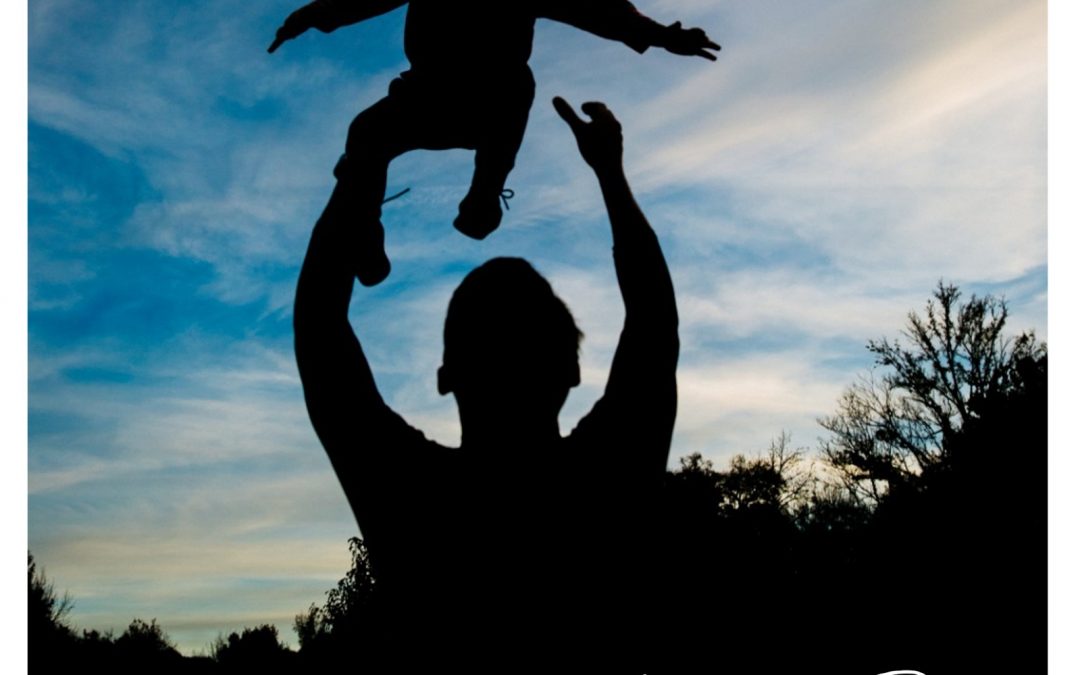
{"x":506,"y":195}
{"x":393,"y":197}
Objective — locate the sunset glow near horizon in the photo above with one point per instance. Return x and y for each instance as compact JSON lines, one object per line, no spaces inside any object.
{"x":809,"y":188}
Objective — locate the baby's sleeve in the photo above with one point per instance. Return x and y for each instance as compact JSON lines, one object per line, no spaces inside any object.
{"x":611,"y":19}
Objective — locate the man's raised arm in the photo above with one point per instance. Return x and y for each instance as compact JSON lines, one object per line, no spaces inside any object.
{"x":640,"y":396}
{"x":343,"y":402}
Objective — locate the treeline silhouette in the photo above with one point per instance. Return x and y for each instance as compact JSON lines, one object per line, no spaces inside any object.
{"x":915,"y":538}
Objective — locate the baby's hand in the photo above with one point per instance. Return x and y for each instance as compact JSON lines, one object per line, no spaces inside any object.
{"x":295,"y":25}
{"x":688,"y":41}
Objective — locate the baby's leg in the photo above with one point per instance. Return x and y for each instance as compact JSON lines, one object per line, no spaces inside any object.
{"x":376,"y":136}
{"x":497,"y":146}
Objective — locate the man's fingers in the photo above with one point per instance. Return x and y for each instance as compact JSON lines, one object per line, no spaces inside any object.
{"x":274,"y":45}
{"x":708,"y":55}
{"x":594,"y":108}
{"x":598,"y":112}
{"x":567,"y":113}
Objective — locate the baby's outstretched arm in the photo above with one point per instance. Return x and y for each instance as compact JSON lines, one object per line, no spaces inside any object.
{"x":620,"y":20}
{"x":329,"y":15}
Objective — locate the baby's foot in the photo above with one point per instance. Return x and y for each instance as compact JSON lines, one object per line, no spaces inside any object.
{"x":479,"y":216}
{"x":372,"y":265}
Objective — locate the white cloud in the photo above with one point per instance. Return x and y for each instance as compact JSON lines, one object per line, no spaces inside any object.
{"x":738,"y":405}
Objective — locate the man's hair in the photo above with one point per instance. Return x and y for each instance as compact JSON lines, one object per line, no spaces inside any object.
{"x":506,"y":313}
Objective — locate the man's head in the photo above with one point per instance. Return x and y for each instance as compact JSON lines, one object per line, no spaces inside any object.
{"x":509,"y":340}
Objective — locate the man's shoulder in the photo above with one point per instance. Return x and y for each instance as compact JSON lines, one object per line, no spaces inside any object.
{"x":402,"y":444}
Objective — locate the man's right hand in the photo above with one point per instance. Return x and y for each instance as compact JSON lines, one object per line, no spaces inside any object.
{"x":295,"y":25}
{"x":599,"y":140}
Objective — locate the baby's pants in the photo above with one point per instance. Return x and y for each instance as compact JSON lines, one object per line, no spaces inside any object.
{"x":421,"y":112}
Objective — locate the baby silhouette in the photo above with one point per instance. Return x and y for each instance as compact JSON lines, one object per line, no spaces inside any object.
{"x":468,"y":86}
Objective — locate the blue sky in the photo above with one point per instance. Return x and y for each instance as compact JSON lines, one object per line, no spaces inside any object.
{"x":809,"y":188}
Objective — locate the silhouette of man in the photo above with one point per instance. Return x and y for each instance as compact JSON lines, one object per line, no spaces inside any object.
{"x":468,"y":86}
{"x":521,"y":542}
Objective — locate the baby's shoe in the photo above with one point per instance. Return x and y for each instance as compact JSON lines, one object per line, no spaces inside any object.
{"x":479,"y":216}
{"x":372,"y":265}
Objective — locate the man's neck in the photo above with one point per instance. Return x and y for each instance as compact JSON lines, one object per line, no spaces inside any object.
{"x":498,"y":438}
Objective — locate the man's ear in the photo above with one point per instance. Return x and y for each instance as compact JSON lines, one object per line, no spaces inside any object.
{"x":444,"y":380}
